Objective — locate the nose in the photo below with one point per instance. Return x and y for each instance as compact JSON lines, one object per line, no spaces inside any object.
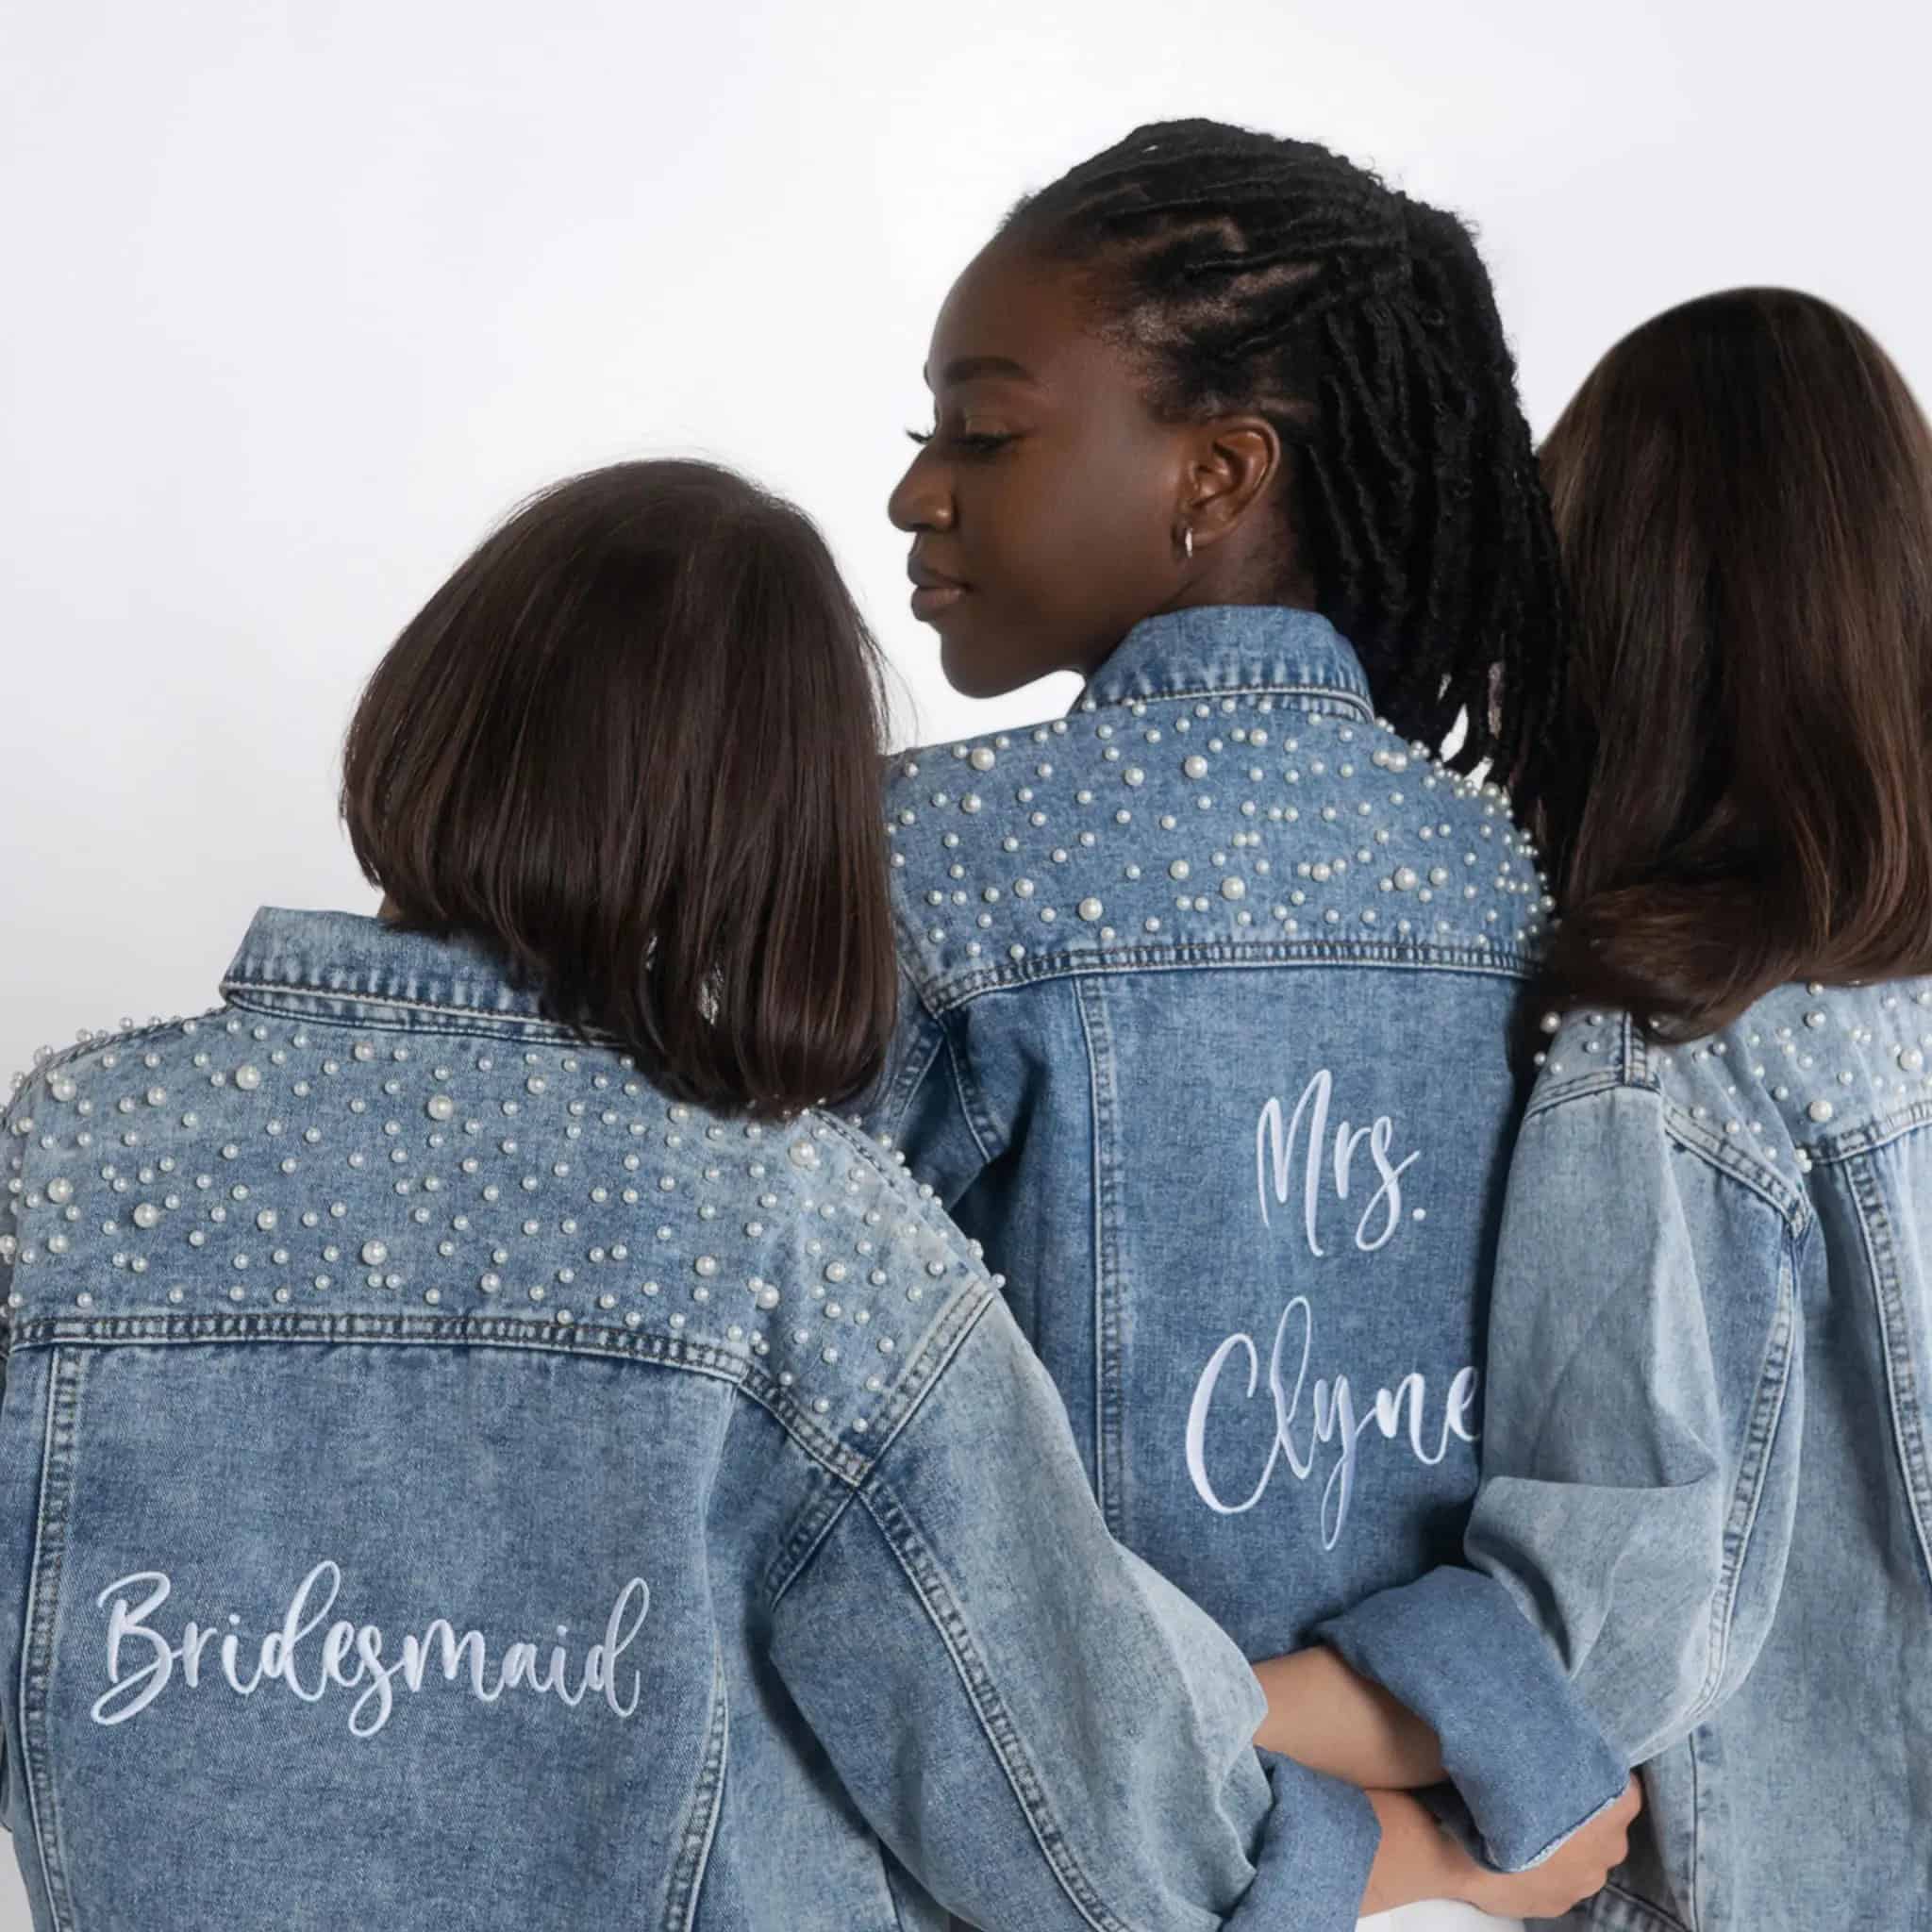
{"x":922,"y":499}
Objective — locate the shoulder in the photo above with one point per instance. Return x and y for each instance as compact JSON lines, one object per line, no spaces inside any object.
{"x":1193,"y":826}
{"x":1805,"y":1074}
{"x":79,"y":1110}
{"x":866,"y":1288}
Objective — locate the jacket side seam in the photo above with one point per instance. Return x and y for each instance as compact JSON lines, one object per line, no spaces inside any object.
{"x":59,"y":1447}
{"x":707,"y":1802}
{"x":911,"y":1074}
{"x":1900,"y":1378}
{"x":1110,"y":1453}
{"x":973,"y":1108}
{"x":1760,"y":1437}
{"x":924,"y":1572}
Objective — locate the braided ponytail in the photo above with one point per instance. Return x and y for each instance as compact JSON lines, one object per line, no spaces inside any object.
{"x":1271,"y":276}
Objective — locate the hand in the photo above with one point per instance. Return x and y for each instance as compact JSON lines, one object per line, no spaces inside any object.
{"x":1574,"y":1872}
{"x":1416,"y":1858}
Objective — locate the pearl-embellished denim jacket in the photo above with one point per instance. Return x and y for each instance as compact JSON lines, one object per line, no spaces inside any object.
{"x":444,"y":1484}
{"x":1707,"y":1478}
{"x":1209,"y":987}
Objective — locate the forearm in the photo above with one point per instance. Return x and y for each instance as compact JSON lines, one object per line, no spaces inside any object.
{"x":1323,"y":1714}
{"x":1415,"y":1860}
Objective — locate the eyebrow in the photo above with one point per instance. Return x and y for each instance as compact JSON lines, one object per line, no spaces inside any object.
{"x":968,"y":368}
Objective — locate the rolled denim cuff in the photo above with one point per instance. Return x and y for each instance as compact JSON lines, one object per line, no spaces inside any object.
{"x":1529,"y":1759}
{"x":1316,"y":1849}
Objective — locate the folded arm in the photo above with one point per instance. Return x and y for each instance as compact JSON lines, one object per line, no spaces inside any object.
{"x":1628,"y":1539}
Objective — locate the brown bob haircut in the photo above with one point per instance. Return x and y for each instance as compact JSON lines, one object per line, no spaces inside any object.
{"x":1742,"y":491}
{"x":633,"y":745}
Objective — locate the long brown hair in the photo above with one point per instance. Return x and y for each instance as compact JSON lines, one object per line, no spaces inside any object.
{"x":633,"y":745}
{"x":1742,"y":491}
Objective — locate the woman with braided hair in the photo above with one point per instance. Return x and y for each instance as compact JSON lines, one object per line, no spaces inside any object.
{"x":1208,"y":985}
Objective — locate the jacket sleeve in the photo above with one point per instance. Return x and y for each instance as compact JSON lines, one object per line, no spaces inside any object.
{"x":1045,"y":1732}
{"x":1639,"y":1474}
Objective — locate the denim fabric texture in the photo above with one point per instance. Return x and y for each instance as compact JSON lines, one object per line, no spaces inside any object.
{"x":1207,"y":990}
{"x":445,"y":1483}
{"x":1706,"y":1474}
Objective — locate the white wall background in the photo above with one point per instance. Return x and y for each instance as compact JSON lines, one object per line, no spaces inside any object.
{"x":300,"y":298}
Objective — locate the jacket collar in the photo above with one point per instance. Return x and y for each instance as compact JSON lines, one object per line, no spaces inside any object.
{"x":1228,"y":648}
{"x":314,"y":961}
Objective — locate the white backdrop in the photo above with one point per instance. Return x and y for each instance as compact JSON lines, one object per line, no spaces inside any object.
{"x":301,"y":297}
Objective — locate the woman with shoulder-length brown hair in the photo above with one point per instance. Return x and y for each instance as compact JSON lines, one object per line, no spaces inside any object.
{"x":1707,"y":1444}
{"x":535,"y":1466}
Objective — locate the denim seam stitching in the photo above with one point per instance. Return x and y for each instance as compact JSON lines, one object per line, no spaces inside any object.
{"x":916,"y":1067}
{"x":688,"y":1876}
{"x":996,"y":1724}
{"x":499,"y":1332}
{"x":1900,"y":1378}
{"x":1842,"y":1148}
{"x":1696,"y":1139}
{"x":60,"y":1442}
{"x":273,"y":995}
{"x":798,"y":1549}
{"x":1109,"y":1447}
{"x":944,"y":994}
{"x":1548,"y":1097}
{"x":1626,"y":1903}
{"x":1319,"y":697}
{"x":1699,"y":1843}
{"x":1724,"y":1155}
{"x":973,"y":1108}
{"x":1761,"y":1436}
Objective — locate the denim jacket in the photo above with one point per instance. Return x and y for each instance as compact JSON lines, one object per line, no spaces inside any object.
{"x":442,"y":1483}
{"x":1707,"y":1478}
{"x":1209,"y":987}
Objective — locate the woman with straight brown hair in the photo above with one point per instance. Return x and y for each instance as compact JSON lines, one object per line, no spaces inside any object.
{"x":481,"y":1448}
{"x":1707,"y":1448}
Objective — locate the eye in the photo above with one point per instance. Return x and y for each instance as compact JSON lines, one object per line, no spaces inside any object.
{"x":966,"y":443}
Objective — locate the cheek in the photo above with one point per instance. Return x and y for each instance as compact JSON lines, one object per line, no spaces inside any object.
{"x":1085,"y":530}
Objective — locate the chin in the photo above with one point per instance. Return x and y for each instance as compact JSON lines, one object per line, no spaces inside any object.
{"x":977,"y":668}
{"x":974,"y":672}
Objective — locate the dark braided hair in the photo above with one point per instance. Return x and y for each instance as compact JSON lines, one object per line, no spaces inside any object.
{"x":1271,"y":275}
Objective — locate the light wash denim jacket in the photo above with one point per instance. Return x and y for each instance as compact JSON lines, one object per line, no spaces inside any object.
{"x":1706,"y":1468}
{"x":444,"y":1484}
{"x":1209,"y":987}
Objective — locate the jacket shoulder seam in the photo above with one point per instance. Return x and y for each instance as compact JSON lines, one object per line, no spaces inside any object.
{"x":1715,"y":1150}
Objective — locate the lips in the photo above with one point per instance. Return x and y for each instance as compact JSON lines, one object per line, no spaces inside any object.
{"x":933,"y":591}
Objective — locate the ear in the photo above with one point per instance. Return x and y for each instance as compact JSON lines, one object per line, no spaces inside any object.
{"x":1231,"y":463}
